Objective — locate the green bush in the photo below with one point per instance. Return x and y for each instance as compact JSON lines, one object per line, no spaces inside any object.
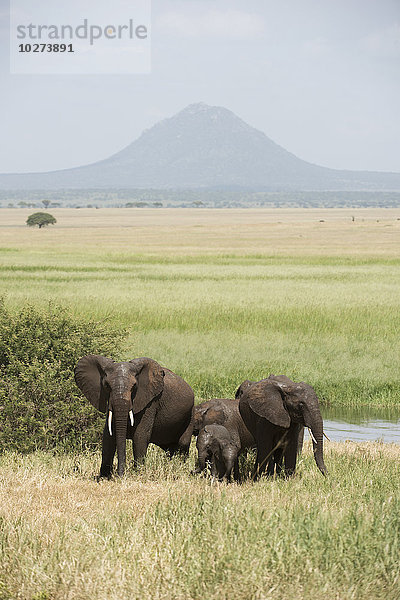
{"x":40,"y":405}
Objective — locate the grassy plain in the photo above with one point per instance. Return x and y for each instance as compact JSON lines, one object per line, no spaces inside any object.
{"x":161,"y":534}
{"x":218,"y":296}
{"x":224,"y":295}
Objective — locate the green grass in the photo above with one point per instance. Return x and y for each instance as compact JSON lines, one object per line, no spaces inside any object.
{"x":221,"y":296}
{"x":160,"y":533}
{"x":220,"y":319}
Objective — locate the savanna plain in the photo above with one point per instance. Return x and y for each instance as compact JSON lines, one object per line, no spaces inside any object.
{"x":218,"y":296}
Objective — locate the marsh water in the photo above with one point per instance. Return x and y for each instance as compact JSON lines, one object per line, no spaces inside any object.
{"x":362,"y":424}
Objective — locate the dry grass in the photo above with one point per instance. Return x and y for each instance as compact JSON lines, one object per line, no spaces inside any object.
{"x":271,"y":232}
{"x":160,"y":533}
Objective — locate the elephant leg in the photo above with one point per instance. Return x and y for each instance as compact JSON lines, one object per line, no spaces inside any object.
{"x":264,"y":459}
{"x":236,"y":472}
{"x":271,"y":467}
{"x":254,"y":474}
{"x":280,"y":442}
{"x":227,"y":472}
{"x":265,"y":448}
{"x":215,"y":472}
{"x":142,"y":434}
{"x":291,"y":450}
{"x":278,"y":460}
{"x":108,"y":452}
{"x":228,"y":462}
{"x":140,"y":444}
{"x":186,"y":438}
{"x":173,"y":449}
{"x":261,"y":460}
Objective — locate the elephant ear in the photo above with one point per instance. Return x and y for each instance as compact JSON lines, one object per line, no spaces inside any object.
{"x":214,"y":415}
{"x":89,"y":372}
{"x":242,"y":388}
{"x":150,"y":382}
{"x":266,"y":401}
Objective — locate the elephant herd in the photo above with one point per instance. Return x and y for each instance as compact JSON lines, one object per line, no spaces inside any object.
{"x":152,"y":405}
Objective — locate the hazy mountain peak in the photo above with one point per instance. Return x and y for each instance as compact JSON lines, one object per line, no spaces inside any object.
{"x":203,"y":146}
{"x":209,"y":115}
{"x":195,"y":108}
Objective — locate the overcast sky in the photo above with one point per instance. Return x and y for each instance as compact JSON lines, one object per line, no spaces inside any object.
{"x":319,"y":77}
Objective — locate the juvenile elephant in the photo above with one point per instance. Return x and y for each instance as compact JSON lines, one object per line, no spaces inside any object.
{"x":222,"y":412}
{"x":219,"y":448}
{"x":143,"y":402}
{"x":275,"y":410}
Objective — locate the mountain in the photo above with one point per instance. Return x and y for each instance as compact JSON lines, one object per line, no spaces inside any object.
{"x":204,"y":147}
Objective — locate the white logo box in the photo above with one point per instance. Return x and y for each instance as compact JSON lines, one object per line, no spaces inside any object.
{"x":80,"y":36}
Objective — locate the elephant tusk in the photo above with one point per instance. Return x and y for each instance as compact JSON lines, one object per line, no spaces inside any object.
{"x":109,"y":422}
{"x":326,"y":437}
{"x":312,"y":437}
{"x":131,"y":417}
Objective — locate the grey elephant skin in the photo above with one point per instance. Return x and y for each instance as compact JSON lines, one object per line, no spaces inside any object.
{"x":218,"y":447}
{"x":222,"y":412}
{"x":275,"y":462}
{"x":143,"y":401}
{"x":275,"y":410}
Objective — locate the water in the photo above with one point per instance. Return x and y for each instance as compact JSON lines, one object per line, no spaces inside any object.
{"x":362,"y":424}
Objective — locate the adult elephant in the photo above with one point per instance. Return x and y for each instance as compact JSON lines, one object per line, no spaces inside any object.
{"x":143,"y":401}
{"x":278,"y":455}
{"x":275,"y":410}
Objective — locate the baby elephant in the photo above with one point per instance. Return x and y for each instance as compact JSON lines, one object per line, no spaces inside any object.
{"x":220,"y":449}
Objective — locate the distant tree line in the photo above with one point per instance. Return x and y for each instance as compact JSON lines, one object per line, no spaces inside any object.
{"x":217,"y":198}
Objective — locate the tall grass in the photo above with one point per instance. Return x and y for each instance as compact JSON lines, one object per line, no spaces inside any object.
{"x":218,"y":320}
{"x":221,"y":296}
{"x":161,"y":534}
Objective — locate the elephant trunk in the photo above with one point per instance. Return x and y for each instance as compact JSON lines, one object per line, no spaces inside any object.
{"x":120,"y":421}
{"x":202,"y":462}
{"x":317,"y":430}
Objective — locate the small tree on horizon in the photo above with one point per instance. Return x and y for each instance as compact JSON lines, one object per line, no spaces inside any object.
{"x":40,"y":219}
